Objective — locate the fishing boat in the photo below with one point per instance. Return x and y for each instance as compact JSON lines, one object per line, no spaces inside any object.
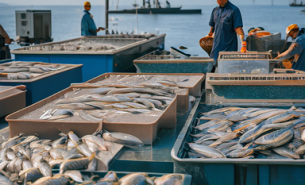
{"x":156,"y":9}
{"x":295,"y":4}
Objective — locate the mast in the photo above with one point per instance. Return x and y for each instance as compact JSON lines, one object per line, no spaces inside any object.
{"x":106,"y":15}
{"x":157,"y":4}
{"x":143,"y":3}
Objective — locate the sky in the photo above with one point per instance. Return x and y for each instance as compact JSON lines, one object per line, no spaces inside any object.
{"x":128,"y":2}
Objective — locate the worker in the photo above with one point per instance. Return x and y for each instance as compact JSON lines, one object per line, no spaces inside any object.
{"x":87,"y":25}
{"x":225,"y":22}
{"x":296,"y":49}
{"x":168,"y":5}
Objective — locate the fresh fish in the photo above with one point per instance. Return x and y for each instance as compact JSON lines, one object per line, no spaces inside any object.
{"x":60,"y":141}
{"x":276,"y":138}
{"x":102,"y":91}
{"x":76,"y":106}
{"x":18,"y":164}
{"x":239,"y":153}
{"x":283,"y":151}
{"x":221,"y":110}
{"x":207,"y":151}
{"x":145,"y":102}
{"x":114,"y":98}
{"x":10,"y":154}
{"x":206,"y":138}
{"x":225,"y":138}
{"x":73,"y":138}
{"x":61,"y":114}
{"x":300,"y":150}
{"x":138,"y":90}
{"x":209,"y":124}
{"x":123,"y":139}
{"x":100,"y":142}
{"x":83,"y":148}
{"x":74,"y":175}
{"x":26,"y":164}
{"x":259,"y":112}
{"x":225,"y":147}
{"x":58,"y":153}
{"x":45,"y":168}
{"x":75,"y":164}
{"x":57,"y":179}
{"x":170,"y":179}
{"x":31,"y":174}
{"x":110,"y":177}
{"x":136,"y":179}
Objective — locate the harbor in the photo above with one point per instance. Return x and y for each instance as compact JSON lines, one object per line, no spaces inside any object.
{"x":145,"y":104}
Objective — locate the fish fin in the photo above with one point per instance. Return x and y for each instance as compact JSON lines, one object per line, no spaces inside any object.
{"x":92,"y":156}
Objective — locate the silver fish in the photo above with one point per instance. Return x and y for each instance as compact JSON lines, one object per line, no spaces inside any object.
{"x":123,"y":139}
{"x":207,"y":151}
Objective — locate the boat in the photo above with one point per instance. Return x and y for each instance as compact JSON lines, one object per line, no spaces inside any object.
{"x":157,"y":9}
{"x":295,"y":4}
{"x":303,"y":10}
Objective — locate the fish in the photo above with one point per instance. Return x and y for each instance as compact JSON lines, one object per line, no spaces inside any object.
{"x":58,"y":153}
{"x":61,"y":114}
{"x":57,"y":179}
{"x":145,"y":102}
{"x":110,"y":177}
{"x":239,"y":153}
{"x":45,"y":168}
{"x":114,"y":98}
{"x":138,"y":90}
{"x":123,"y":139}
{"x":135,"y":179}
{"x":207,"y":151}
{"x":100,"y":142}
{"x":76,"y":106}
{"x":31,"y":174}
{"x":170,"y":179}
{"x":221,"y":110}
{"x":60,"y":141}
{"x":74,"y":175}
{"x":283,"y":151}
{"x":208,"y":124}
{"x":276,"y":138}
{"x":300,"y":150}
{"x":76,"y":164}
{"x":102,"y":90}
{"x":225,"y":138}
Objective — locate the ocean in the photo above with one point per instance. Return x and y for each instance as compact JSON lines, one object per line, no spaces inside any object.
{"x":180,"y":30}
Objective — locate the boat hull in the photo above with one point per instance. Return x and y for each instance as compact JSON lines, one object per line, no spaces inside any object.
{"x":157,"y":11}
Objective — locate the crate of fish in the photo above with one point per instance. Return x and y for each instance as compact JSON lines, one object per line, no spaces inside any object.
{"x":39,"y":78}
{"x":98,"y":54}
{"x":86,"y":177}
{"x":165,"y":62}
{"x":246,"y":63}
{"x":187,"y":86}
{"x":11,"y":99}
{"x":26,"y":158}
{"x":284,"y":87}
{"x":139,"y":111}
{"x":244,"y":145}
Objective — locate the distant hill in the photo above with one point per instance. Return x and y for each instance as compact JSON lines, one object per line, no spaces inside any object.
{"x":3,"y":4}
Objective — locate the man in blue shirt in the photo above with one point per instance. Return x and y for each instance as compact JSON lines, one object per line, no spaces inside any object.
{"x":225,"y":22}
{"x":87,"y":25}
{"x":296,"y":49}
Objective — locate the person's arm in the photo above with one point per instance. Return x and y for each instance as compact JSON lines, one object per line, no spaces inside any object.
{"x":211,"y":32}
{"x":212,"y":24}
{"x":238,"y":24}
{"x":294,"y":49}
{"x":240,"y":32}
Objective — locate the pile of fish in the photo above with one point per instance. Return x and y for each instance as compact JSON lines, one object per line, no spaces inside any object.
{"x":111,"y":178}
{"x":28,"y":158}
{"x":27,"y":70}
{"x":99,"y":103}
{"x":74,"y":46}
{"x":264,"y":133}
